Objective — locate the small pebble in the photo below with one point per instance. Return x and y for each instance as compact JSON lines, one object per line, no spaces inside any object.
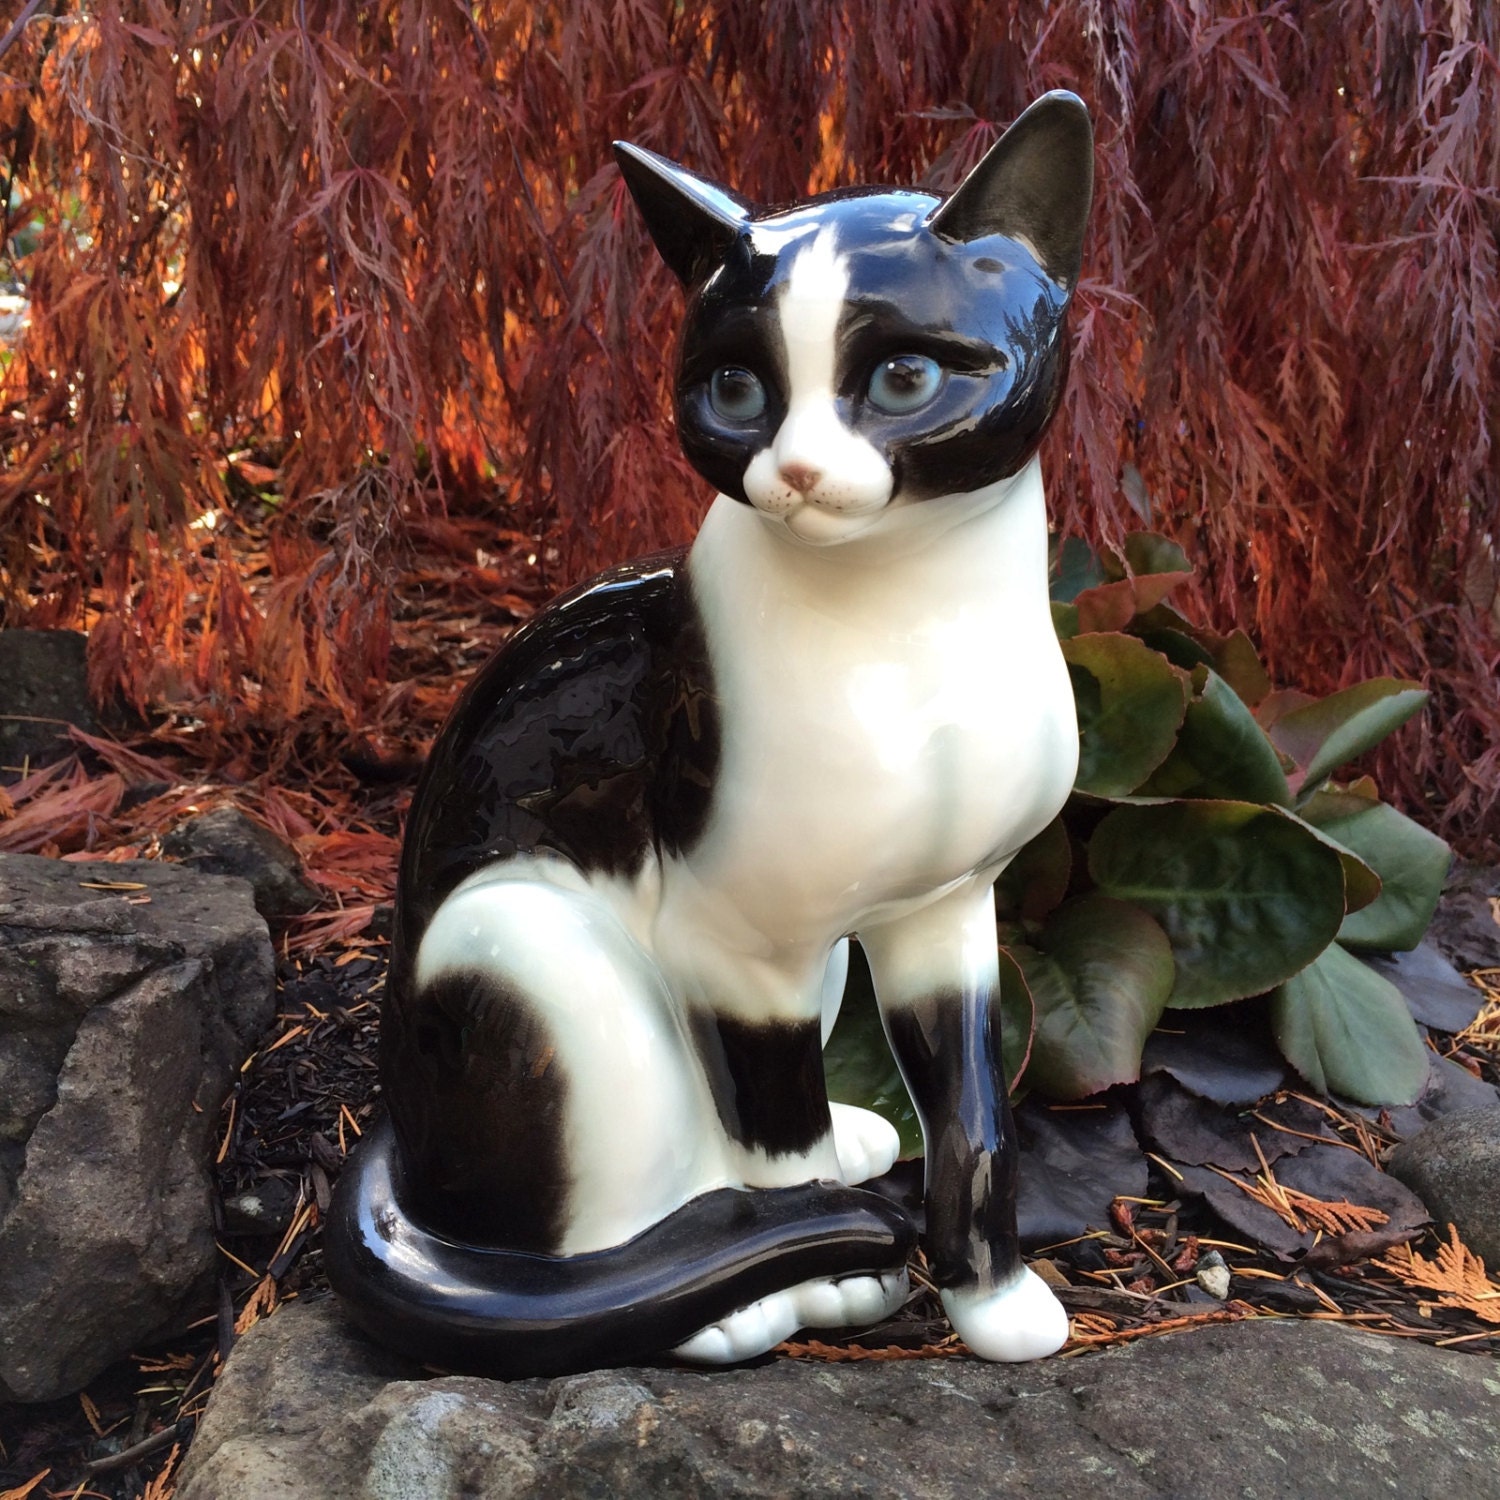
{"x":1213,"y":1275}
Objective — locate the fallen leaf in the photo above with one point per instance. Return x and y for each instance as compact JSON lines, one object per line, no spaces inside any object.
{"x":23,"y":1490}
{"x":1354,"y":1246}
{"x":1455,"y":1271}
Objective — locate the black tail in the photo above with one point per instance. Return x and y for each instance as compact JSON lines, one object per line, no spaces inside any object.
{"x":508,"y":1313}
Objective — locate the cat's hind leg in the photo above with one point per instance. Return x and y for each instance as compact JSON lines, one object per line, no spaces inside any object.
{"x":537,"y":1065}
{"x":552,"y":1195}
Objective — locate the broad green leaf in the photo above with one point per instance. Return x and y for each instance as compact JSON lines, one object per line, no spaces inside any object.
{"x":1247,"y":895}
{"x":1036,"y":880}
{"x":1411,"y":863}
{"x":1017,"y":1021}
{"x":1099,"y":977}
{"x":1361,"y":883}
{"x":1347,"y":1031}
{"x":1231,"y":656}
{"x":1321,"y":736}
{"x":857,"y":1060}
{"x":1164,"y":617}
{"x":1222,"y":752}
{"x":1179,"y":649}
{"x":1064,"y":620}
{"x":1130,"y":706}
{"x":1112,"y":606}
{"x":1236,"y":661}
{"x":1150,"y":552}
{"x":1276,"y":705}
{"x":1109,"y":607}
{"x":1075,"y":567}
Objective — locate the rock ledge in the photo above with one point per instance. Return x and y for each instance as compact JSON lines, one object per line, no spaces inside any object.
{"x":1256,"y":1409}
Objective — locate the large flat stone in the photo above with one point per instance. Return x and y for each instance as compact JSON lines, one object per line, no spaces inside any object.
{"x":123,"y":1014}
{"x":1257,"y":1409}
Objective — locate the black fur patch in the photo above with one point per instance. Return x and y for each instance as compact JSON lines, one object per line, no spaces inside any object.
{"x":477,"y":1099}
{"x":767,"y":1080}
{"x":593,"y":734}
{"x":949,"y":1051}
{"x":685,"y":716}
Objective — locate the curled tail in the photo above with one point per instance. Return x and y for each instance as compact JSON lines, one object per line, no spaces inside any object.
{"x":511,"y":1313}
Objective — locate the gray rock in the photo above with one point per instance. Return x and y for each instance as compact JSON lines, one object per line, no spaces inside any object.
{"x":1256,"y":1409}
{"x":266,"y":1209}
{"x":43,"y":689}
{"x":1465,"y":928}
{"x":1453,"y":1166}
{"x":226,"y":842}
{"x":1449,"y":1090}
{"x":123,"y":1015}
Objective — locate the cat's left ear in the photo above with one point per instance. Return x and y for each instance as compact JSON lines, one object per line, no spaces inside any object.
{"x":1034,"y":184}
{"x":693,"y":221}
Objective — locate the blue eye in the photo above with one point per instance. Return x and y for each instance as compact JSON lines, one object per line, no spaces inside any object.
{"x":736,"y":394}
{"x":906,"y":383}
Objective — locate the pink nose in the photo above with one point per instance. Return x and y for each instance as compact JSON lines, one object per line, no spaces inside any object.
{"x":800,"y":476}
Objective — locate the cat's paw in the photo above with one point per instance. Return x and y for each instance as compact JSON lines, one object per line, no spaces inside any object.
{"x":823,"y":1303}
{"x":1023,"y":1320}
{"x":867,"y":1144}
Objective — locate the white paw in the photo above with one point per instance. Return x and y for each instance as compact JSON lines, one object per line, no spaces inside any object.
{"x":867,"y":1143}
{"x":823,"y":1303}
{"x":1018,"y":1322}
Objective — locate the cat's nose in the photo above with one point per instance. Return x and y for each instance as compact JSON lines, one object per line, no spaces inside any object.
{"x":801,"y":477}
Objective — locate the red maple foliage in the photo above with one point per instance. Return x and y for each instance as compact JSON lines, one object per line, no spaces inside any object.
{"x":337,"y":273}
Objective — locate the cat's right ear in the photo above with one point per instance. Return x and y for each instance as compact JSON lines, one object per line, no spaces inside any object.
{"x":693,"y":221}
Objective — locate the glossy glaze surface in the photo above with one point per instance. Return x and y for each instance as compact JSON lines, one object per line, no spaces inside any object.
{"x":593,"y":735}
{"x":478,"y":1308}
{"x":653,"y":820}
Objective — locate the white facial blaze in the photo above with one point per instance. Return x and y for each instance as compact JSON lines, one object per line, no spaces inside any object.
{"x":826,"y":481}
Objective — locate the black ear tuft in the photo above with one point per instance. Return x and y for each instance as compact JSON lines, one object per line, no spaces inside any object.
{"x":693,"y":221}
{"x":1035,"y":184}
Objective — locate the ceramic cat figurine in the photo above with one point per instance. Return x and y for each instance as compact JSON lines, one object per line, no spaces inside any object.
{"x":655,"y":818}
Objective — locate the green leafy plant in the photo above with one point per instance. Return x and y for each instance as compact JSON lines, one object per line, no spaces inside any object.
{"x":1205,"y":856}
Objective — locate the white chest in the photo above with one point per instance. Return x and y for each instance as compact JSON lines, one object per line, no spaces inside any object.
{"x":894,"y":717}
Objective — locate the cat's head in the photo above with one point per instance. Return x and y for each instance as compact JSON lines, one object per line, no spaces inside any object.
{"x":872,"y":348}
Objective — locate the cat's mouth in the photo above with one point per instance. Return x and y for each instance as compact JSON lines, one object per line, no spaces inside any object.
{"x":822,"y":527}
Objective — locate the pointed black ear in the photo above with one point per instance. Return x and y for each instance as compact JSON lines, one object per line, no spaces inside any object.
{"x":693,"y":221}
{"x":1035,"y":184}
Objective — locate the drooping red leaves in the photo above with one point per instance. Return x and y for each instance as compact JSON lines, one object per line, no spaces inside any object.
{"x":334,"y":272}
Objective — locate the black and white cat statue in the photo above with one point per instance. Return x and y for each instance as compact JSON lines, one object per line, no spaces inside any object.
{"x":652,"y":823}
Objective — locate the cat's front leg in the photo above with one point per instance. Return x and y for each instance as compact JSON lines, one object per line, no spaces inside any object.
{"x":936,"y":975}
